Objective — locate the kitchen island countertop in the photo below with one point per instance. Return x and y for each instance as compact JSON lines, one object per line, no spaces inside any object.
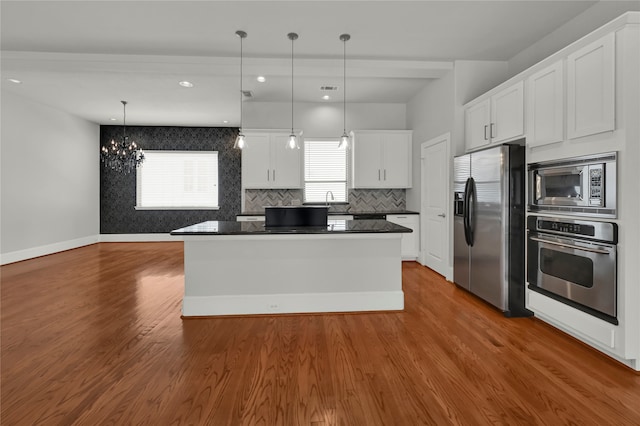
{"x":256,"y":228}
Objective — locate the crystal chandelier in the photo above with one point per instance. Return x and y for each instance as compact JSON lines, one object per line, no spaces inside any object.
{"x":121,"y":155}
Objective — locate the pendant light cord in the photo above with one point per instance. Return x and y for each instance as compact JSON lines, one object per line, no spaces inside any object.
{"x":241,"y":83}
{"x":124,"y":122}
{"x":292,"y":39}
{"x":344,"y":38}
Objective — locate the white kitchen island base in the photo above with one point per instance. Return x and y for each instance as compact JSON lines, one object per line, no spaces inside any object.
{"x":280,"y":273}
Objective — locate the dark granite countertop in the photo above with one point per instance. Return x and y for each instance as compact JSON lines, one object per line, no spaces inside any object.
{"x":255,"y":228}
{"x":261,"y":213}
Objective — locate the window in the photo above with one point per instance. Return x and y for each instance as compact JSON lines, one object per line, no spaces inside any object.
{"x":325,"y":169}
{"x":177,"y":180}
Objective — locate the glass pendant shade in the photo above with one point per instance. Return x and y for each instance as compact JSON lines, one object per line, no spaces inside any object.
{"x":344,"y":141}
{"x":240,"y":142}
{"x":292,"y":142}
{"x":121,"y":155}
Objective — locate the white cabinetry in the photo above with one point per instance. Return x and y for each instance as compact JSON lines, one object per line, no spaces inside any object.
{"x":545,"y":105}
{"x":497,"y":119}
{"x":591,"y":88}
{"x":411,"y":241}
{"x":381,"y":159}
{"x":268,"y":164}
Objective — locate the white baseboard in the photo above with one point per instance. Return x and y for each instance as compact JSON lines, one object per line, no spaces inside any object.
{"x":30,"y":253}
{"x":137,"y":238}
{"x":292,"y":303}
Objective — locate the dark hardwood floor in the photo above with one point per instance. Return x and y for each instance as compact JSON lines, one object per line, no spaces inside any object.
{"x":94,"y":336}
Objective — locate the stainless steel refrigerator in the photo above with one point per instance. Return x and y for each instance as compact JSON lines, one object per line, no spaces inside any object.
{"x":489,"y":226}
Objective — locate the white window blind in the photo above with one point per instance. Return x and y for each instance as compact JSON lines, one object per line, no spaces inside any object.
{"x":325,"y":169}
{"x":178,"y":180}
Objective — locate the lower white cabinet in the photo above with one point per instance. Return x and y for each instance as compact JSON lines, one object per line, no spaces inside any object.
{"x":411,"y":241}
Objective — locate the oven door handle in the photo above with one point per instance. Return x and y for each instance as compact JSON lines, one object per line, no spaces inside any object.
{"x":569,"y":246}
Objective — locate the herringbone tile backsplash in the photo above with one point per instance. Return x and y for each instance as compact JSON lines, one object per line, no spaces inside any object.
{"x":360,"y":200}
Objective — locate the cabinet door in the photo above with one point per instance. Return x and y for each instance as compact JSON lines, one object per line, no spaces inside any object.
{"x":591,"y":88}
{"x":396,"y":160}
{"x":545,"y":106}
{"x":285,"y":164}
{"x":256,"y":164}
{"x":367,"y":160}
{"x":410,"y":244}
{"x":476,"y":125}
{"x":507,"y":113}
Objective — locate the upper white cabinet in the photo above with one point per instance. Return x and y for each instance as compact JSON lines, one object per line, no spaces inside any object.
{"x":591,"y":88}
{"x":545,"y":105}
{"x":477,"y":119}
{"x":496,"y":119}
{"x":381,"y":159}
{"x":268,"y":164}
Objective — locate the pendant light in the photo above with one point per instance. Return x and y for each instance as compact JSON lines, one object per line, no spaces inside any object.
{"x":344,"y":139}
{"x":240,"y":140}
{"x":292,"y":143}
{"x":122,"y":156}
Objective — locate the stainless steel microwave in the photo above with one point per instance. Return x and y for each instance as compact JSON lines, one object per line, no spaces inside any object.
{"x":583,"y":186}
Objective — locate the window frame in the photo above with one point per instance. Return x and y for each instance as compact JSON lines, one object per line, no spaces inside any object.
{"x":347,"y":180}
{"x":165,"y":151}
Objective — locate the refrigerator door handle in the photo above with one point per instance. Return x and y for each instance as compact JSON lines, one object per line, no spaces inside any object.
{"x":471,"y":210}
{"x":465,"y":212}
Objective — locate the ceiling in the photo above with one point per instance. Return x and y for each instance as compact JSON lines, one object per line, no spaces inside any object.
{"x":84,"y":57}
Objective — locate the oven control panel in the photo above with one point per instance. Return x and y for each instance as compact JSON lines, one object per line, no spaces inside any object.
{"x":584,"y":229}
{"x":566,"y":228}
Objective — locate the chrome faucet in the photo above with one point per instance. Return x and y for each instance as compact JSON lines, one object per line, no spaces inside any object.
{"x":326,"y":198}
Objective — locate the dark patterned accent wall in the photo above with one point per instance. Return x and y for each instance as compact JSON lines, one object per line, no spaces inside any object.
{"x":118,"y":191}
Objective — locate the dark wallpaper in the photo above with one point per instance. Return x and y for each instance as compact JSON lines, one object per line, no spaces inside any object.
{"x":118,"y":191}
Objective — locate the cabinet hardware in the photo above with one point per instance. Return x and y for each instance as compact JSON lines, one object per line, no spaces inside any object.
{"x":491,"y":131}
{"x":485,"y":132}
{"x":378,"y":174}
{"x":385,"y":174}
{"x":268,"y":179}
{"x":274,"y":175}
{"x":442,"y":215}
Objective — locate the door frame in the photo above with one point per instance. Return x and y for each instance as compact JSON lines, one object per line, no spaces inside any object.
{"x":446,"y":138}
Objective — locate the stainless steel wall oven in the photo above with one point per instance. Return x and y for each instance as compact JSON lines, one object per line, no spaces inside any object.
{"x":583,"y":186}
{"x":574,"y":261}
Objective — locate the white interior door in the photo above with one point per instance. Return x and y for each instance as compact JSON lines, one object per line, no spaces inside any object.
{"x":435,"y":173}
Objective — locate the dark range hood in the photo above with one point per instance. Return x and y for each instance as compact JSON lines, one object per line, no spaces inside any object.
{"x":295,"y":216}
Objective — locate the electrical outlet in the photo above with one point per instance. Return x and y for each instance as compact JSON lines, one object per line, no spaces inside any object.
{"x":273,"y":306}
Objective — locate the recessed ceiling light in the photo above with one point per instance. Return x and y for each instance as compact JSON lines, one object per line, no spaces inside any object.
{"x":326,"y":97}
{"x":186,"y":84}
{"x":261,"y":78}
{"x":113,"y":119}
{"x":225,"y":121}
{"x":14,"y":80}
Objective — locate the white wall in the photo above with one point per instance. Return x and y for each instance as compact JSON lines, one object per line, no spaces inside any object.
{"x":592,"y":18}
{"x":437,"y":109}
{"x":429,"y":114}
{"x":324,"y":119}
{"x":50,"y":189}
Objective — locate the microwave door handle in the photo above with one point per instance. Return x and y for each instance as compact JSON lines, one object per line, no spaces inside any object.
{"x":592,"y":250}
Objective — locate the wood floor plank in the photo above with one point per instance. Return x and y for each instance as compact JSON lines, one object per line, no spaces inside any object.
{"x":94,"y":336}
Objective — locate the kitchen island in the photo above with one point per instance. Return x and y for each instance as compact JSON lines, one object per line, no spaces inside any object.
{"x":242,"y":268}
